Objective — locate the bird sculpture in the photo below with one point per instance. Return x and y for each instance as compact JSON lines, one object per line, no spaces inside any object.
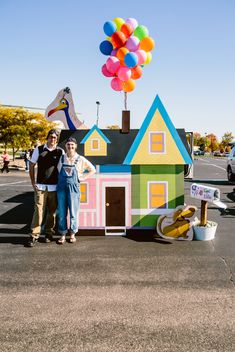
{"x":62,"y":110}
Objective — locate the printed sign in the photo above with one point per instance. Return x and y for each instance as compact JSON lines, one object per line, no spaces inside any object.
{"x":205,"y":193}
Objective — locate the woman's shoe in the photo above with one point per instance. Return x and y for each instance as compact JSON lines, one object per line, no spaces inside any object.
{"x":62,"y":240}
{"x":72,"y":238}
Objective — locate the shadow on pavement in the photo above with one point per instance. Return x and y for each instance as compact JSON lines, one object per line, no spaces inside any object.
{"x":20,"y":214}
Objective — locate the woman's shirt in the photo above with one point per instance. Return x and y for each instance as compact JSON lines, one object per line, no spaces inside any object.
{"x":82,"y":165}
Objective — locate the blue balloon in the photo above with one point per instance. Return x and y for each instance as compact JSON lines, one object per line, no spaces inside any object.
{"x":131,"y":60}
{"x":106,"y":47}
{"x":109,"y":28}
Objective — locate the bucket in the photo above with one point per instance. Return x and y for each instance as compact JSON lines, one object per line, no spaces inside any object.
{"x":205,"y":233}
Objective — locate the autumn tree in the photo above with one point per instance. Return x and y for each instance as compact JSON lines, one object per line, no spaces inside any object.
{"x":21,"y":129}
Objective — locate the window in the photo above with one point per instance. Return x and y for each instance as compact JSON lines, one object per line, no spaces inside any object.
{"x":84,"y":192}
{"x":95,"y":144}
{"x":157,"y":195}
{"x":157,"y":142}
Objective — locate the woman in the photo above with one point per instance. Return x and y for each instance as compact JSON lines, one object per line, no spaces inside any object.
{"x":71,"y":169}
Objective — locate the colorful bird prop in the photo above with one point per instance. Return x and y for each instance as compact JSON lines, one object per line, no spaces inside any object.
{"x":128,"y":46}
{"x":62,"y":110}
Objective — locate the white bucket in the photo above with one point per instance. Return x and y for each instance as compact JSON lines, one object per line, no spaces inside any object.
{"x":205,"y":233}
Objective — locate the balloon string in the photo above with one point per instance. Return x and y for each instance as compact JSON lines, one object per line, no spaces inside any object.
{"x":125,"y":100}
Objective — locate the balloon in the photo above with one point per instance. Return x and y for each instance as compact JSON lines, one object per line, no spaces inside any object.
{"x":149,"y":58}
{"x":142,"y":56}
{"x":136,"y":72}
{"x":109,"y":28}
{"x":118,"y":39}
{"x":106,"y":72}
{"x":147,"y":44}
{"x":119,"y":22}
{"x":114,"y":52}
{"x":124,"y":73}
{"x":131,"y":59}
{"x":128,"y":86}
{"x":106,"y":47}
{"x":112,"y":64}
{"x":116,"y":84}
{"x":132,"y":43}
{"x":133,"y":22}
{"x":121,"y":52}
{"x":127,"y":29}
{"x":141,"y":32}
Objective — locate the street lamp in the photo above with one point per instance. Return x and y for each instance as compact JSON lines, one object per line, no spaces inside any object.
{"x":97,"y":113}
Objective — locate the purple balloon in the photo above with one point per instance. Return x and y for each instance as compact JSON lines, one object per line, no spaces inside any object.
{"x":133,"y":22}
{"x":133,"y":43}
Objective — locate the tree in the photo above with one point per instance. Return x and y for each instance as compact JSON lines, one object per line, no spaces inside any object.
{"x":21,"y":129}
{"x":226,"y":139}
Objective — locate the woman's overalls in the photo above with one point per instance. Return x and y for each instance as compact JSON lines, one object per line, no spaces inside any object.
{"x":68,"y":194}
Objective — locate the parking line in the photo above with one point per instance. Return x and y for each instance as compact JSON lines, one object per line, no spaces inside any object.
{"x":12,"y":183}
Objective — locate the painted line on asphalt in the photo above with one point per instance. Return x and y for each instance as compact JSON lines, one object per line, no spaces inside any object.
{"x":12,"y":183}
{"x":219,"y":167}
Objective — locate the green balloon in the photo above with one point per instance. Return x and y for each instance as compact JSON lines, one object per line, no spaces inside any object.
{"x":141,"y":32}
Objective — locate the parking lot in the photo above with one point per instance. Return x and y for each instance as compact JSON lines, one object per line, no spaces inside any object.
{"x":117,"y":293}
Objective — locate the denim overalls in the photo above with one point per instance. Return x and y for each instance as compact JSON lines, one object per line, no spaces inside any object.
{"x":68,"y":194}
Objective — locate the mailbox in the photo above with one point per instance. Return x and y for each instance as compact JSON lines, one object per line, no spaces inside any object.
{"x":208,"y":194}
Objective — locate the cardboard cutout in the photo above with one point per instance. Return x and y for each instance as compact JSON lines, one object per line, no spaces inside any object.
{"x":62,"y":109}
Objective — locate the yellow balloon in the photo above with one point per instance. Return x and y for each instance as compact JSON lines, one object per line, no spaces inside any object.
{"x":119,"y":22}
{"x":147,"y":44}
{"x":128,"y":86}
{"x":149,"y":58}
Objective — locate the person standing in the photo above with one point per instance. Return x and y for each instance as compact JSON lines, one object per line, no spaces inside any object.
{"x":6,"y":161}
{"x":73,"y":169}
{"x":46,"y":157}
{"x":26,"y":160}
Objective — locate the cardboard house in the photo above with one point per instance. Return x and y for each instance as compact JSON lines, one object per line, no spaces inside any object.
{"x":140,"y":174}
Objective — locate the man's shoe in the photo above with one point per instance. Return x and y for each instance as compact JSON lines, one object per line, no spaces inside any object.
{"x":32,"y":241}
{"x":48,"y":238}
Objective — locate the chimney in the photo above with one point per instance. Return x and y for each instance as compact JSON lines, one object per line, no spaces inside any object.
{"x":125,"y":121}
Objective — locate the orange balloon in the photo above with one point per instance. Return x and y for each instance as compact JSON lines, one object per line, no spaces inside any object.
{"x":136,"y":72}
{"x":128,"y":86}
{"x":147,"y":44}
{"x":121,"y":53}
{"x":127,"y":29}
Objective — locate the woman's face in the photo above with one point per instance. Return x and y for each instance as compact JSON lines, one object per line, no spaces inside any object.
{"x":70,"y":147}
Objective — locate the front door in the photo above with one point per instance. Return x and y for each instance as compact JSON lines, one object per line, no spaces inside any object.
{"x":115,"y":206}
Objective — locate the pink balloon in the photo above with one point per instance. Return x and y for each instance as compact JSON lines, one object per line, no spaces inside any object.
{"x":116,"y":84}
{"x":133,"y":43}
{"x":124,"y":73}
{"x":133,"y":22}
{"x":113,"y":64}
{"x":106,"y":72}
{"x":142,"y":56}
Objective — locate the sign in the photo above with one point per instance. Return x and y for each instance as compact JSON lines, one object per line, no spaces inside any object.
{"x":208,"y":194}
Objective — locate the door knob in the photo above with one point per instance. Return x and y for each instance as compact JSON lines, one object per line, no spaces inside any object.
{"x":107,"y":204}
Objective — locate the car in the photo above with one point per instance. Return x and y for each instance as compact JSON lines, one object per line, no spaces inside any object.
{"x":231,"y":166}
{"x":198,"y":152}
{"x":226,"y":154}
{"x":217,"y":153}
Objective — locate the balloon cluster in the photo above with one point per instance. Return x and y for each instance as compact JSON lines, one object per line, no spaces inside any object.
{"x":128,"y":46}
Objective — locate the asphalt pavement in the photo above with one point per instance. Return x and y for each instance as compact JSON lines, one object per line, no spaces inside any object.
{"x":115,"y":293}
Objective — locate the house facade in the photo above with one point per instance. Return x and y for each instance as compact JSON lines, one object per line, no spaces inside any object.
{"x":140,"y":174}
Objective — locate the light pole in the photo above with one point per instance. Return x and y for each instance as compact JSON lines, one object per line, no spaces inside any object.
{"x":97,"y":113}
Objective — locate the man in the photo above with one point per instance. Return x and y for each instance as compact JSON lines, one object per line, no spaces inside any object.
{"x":46,"y":157}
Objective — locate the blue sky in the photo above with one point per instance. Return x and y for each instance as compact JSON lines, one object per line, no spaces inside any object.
{"x":50,"y":44}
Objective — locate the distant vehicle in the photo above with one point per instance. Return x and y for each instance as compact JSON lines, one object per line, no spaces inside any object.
{"x":231,"y":166}
{"x":217,"y":153}
{"x":22,"y":154}
{"x":198,"y":152}
{"x":226,"y":154}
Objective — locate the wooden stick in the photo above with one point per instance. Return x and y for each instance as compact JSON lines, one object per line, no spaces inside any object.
{"x":204,"y":205}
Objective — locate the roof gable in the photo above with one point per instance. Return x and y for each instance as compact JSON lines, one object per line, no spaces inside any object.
{"x":92,"y":130}
{"x":159,"y":123}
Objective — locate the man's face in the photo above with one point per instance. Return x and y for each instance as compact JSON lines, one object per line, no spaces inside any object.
{"x":52,"y":140}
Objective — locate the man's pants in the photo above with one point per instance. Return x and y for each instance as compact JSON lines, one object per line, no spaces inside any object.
{"x":45,"y":204}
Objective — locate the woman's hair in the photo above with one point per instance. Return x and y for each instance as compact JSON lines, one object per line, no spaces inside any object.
{"x":71,"y":139}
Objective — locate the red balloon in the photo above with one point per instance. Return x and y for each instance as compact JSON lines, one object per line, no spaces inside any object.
{"x":127,"y":29}
{"x":118,"y":39}
{"x":106,"y":72}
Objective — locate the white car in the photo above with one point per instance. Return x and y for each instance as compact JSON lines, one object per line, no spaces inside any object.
{"x":231,"y":165}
